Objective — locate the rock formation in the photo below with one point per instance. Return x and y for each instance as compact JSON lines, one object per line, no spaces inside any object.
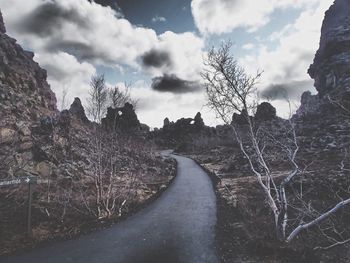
{"x":77,"y":110}
{"x":122,"y":119}
{"x":198,"y":121}
{"x":24,"y":91}
{"x":25,"y":100}
{"x":166,"y":122}
{"x":323,"y":120}
{"x":331,"y":66}
{"x":309,"y":105}
{"x":265,"y":112}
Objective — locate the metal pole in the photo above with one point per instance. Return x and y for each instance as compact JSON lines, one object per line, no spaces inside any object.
{"x":29,"y":223}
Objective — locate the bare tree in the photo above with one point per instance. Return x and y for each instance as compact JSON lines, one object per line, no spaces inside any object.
{"x":109,"y":190}
{"x":230,"y":90}
{"x":98,"y":98}
{"x":119,"y":96}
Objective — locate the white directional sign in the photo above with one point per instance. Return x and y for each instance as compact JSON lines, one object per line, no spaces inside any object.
{"x":19,"y":180}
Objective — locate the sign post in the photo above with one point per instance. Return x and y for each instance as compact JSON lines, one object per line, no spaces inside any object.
{"x":30,"y":180}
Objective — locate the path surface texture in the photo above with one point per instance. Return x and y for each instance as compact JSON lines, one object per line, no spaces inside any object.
{"x":178,"y":227}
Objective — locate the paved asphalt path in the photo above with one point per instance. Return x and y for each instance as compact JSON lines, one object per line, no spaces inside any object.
{"x":178,"y":227}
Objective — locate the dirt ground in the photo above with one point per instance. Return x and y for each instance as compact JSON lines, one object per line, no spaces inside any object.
{"x":245,"y":231}
{"x":46,"y":228}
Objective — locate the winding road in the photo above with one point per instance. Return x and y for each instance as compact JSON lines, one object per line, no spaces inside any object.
{"x":179,"y":227}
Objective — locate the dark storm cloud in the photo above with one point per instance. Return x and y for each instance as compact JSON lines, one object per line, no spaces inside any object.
{"x":172,"y":83}
{"x":111,"y":3}
{"x":289,"y":90}
{"x":49,"y":17}
{"x":80,"y":50}
{"x":156,"y":59}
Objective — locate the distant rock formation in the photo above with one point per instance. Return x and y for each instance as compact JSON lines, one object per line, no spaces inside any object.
{"x":265,"y":112}
{"x":77,"y":110}
{"x":122,"y":119}
{"x":240,"y":119}
{"x":166,"y":122}
{"x":310,"y":104}
{"x":198,"y":121}
{"x":331,"y":66}
{"x":184,"y":133}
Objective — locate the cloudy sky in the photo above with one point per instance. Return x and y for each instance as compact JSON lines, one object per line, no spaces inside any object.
{"x":158,"y":46}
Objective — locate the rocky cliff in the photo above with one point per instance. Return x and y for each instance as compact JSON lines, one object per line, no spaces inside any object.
{"x":331,"y":66}
{"x":24,"y":91}
{"x":25,"y":98}
{"x":323,"y":120}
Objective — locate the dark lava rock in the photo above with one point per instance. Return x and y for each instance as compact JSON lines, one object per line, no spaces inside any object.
{"x":265,"y":112}
{"x":122,"y":119}
{"x":77,"y":110}
{"x":331,"y":66}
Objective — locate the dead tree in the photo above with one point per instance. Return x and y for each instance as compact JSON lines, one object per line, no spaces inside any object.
{"x":230,"y":90}
{"x":118,"y":96}
{"x":110,"y":192}
{"x":97,"y":103}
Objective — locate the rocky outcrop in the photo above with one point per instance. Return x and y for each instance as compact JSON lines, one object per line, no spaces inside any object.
{"x":121,"y":119}
{"x":77,"y":110}
{"x":26,"y":102}
{"x":198,"y":121}
{"x":25,"y":94}
{"x":184,"y":134}
{"x":265,"y":112}
{"x":331,"y":66}
{"x":166,"y":122}
{"x":309,"y":105}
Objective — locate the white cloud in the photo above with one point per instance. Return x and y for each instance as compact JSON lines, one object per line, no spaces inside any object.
{"x":223,"y":16}
{"x":65,"y":72}
{"x":287,"y":64}
{"x":186,"y":52}
{"x":248,"y":46}
{"x":79,"y":36}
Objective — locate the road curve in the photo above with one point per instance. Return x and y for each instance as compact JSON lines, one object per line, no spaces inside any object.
{"x":179,"y":227}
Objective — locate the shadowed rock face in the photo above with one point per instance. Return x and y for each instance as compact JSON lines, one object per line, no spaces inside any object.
{"x":331,"y":66}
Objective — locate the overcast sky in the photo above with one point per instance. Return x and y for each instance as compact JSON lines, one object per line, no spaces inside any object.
{"x":158,"y":46}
